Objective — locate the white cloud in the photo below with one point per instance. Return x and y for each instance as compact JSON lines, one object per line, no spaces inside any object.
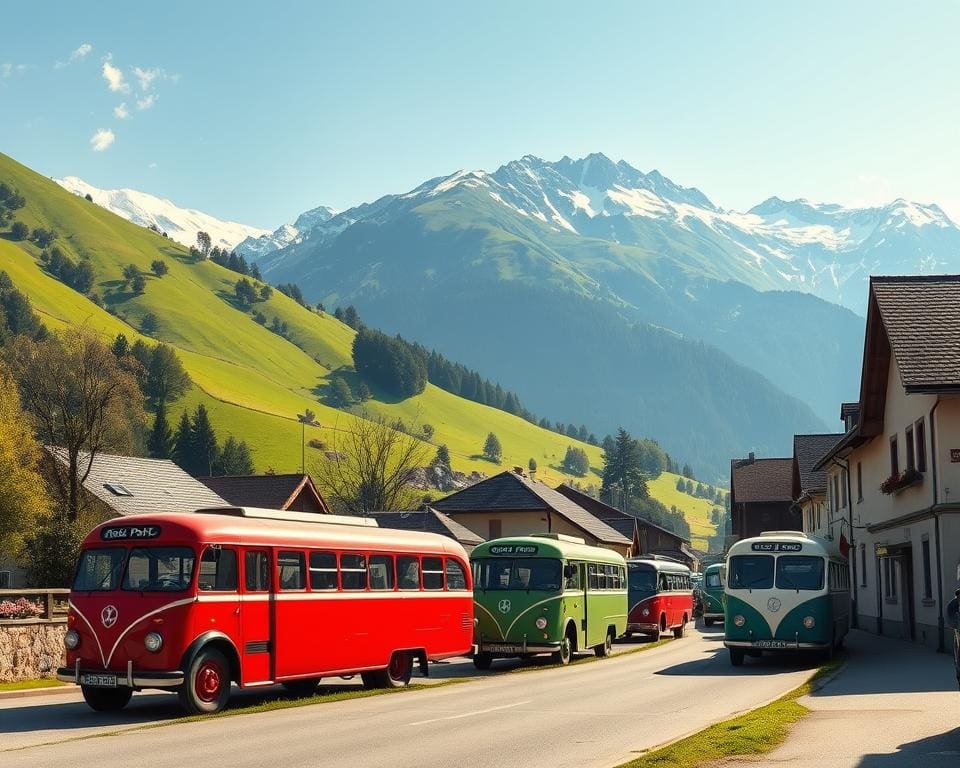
{"x":8,"y":70}
{"x":121,"y":112}
{"x":114,"y":77}
{"x":147,"y":101}
{"x":102,"y":140}
{"x":146,"y":76}
{"x":81,"y":53}
{"x":152,"y":165}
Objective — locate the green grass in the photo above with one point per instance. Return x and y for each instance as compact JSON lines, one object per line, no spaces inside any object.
{"x":755,"y":733}
{"x":254,"y":381}
{"x":696,"y":511}
{"x":29,"y":685}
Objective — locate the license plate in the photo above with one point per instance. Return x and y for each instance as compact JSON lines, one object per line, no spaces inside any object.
{"x":770,"y":644}
{"x":493,"y":648}
{"x":98,"y":681}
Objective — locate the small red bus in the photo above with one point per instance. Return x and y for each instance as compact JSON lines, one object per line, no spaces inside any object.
{"x":660,"y":596}
{"x":192,"y":602}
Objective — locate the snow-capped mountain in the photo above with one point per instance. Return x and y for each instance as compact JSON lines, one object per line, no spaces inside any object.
{"x":821,"y":248}
{"x":255,"y":248}
{"x":181,"y":224}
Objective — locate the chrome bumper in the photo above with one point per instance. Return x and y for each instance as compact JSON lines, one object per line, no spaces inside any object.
{"x":645,"y":628}
{"x":129,"y":679}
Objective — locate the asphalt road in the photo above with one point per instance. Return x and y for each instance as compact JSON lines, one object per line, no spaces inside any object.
{"x":597,"y":714}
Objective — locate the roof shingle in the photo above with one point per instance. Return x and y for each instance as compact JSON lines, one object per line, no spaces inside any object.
{"x":761,"y":480}
{"x":264,"y":491}
{"x":807,"y":452}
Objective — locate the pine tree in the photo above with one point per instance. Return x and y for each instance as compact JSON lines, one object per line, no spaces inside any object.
{"x":532,"y":465}
{"x":443,"y":455}
{"x":120,"y":346}
{"x":160,"y":443}
{"x":182,"y":452}
{"x":363,"y":392}
{"x":492,"y":450}
{"x":340,"y":393}
{"x":234,"y":459}
{"x":203,"y":443}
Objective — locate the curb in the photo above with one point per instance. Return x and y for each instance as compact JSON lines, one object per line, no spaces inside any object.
{"x":30,"y":692}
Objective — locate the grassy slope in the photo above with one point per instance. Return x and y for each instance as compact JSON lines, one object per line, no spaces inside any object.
{"x":695,"y":510}
{"x":253,"y":380}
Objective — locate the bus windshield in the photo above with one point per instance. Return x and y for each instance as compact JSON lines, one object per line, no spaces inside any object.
{"x":527,"y":573}
{"x":159,"y":569}
{"x":712,"y":580}
{"x":799,"y":572}
{"x":750,"y":572}
{"x":99,"y":569}
{"x":641,"y":578}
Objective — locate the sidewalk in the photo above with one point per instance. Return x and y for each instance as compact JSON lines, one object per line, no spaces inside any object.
{"x":893,"y":705}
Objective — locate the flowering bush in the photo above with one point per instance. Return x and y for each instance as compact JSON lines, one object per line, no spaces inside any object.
{"x":20,"y":609}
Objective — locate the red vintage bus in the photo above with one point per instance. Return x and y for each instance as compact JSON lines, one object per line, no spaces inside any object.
{"x":192,"y":602}
{"x":660,"y":596}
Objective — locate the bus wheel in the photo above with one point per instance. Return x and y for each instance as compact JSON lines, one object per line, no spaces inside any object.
{"x":736,"y":657}
{"x":106,"y":699}
{"x":482,"y":661}
{"x":678,"y":631}
{"x":302,"y":688}
{"x":606,"y":648}
{"x":207,"y":684}
{"x":563,"y":655}
{"x":396,"y":675}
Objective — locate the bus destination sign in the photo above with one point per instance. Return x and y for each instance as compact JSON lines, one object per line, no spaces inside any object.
{"x":776,"y":546}
{"x":117,"y":532}
{"x":514,"y":549}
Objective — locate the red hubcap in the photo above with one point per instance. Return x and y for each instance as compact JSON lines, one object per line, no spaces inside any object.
{"x":398,"y":666}
{"x":208,"y":682}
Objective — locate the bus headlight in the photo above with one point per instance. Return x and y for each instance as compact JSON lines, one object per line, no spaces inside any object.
{"x":153,"y":642}
{"x":739,"y":621}
{"x":71,"y":640}
{"x":541,"y":623}
{"x":809,"y":622}
{"x":645,"y":611}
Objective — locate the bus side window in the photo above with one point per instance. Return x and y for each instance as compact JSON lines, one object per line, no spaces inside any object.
{"x":381,"y":572}
{"x":218,"y":570}
{"x":408,"y":572}
{"x":662,"y":585}
{"x":256,"y":571}
{"x":574,"y":581}
{"x":592,"y":578}
{"x":432,"y":573}
{"x":291,"y":568}
{"x":353,"y":571}
{"x":456,"y":578}
{"x":323,"y":570}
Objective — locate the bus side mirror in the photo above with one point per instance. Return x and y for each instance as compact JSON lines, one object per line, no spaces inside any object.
{"x":569,"y":571}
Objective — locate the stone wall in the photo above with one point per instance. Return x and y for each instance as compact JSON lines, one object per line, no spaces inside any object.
{"x":31,"y":650}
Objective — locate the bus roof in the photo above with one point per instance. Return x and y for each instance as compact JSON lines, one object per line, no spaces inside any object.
{"x":564,"y":548}
{"x":665,"y":564}
{"x":713,"y":567}
{"x":209,"y":528}
{"x":813,"y":545}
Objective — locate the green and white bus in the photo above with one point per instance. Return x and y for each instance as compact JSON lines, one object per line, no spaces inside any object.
{"x":546,"y":594}
{"x":711,"y":594}
{"x":785,"y":591}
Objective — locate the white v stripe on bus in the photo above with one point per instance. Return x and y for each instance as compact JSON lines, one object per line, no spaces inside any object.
{"x":470,"y":714}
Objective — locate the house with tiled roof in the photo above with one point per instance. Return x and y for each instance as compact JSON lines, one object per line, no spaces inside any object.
{"x":648,"y":538}
{"x":513,"y":504}
{"x":810,"y":484}
{"x":897,"y":468}
{"x":761,"y":496}
{"x":296,"y":492}
{"x":117,"y":486}
{"x":429,"y":520}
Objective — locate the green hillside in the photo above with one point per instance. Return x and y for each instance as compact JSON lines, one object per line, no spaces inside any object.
{"x":695,"y":510}
{"x":253,"y":381}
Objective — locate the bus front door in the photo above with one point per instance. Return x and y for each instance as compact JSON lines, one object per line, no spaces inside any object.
{"x":256,"y":620}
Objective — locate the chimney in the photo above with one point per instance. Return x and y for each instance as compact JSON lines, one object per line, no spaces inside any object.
{"x":751,"y":458}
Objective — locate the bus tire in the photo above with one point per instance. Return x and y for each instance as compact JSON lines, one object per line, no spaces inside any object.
{"x":606,"y":647}
{"x":302,"y":688}
{"x":396,"y":675}
{"x":206,"y":686}
{"x":736,"y":657}
{"x":568,"y":646}
{"x":678,"y":631}
{"x":708,"y":622}
{"x":482,"y":661}
{"x":106,"y":699}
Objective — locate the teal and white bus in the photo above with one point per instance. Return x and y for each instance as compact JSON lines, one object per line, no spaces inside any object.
{"x":711,"y":594}
{"x":785,"y":591}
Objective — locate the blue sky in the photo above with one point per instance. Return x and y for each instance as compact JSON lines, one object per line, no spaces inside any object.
{"x":256,"y":112}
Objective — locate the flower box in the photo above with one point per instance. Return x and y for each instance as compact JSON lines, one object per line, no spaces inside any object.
{"x":898,"y":482}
